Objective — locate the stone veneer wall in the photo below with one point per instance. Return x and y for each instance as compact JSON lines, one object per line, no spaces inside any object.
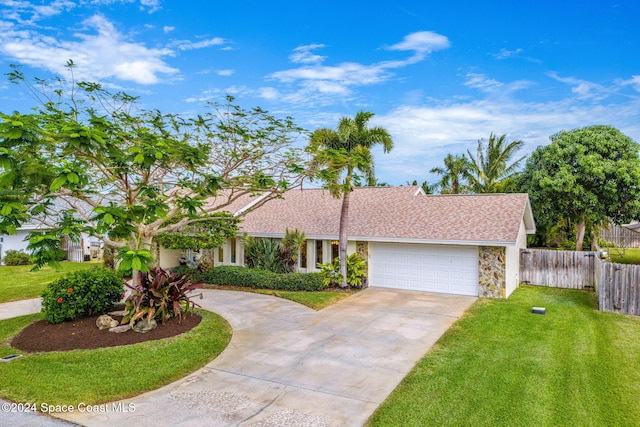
{"x":493,"y":274}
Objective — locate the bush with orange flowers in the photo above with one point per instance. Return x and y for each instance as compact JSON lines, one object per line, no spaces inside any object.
{"x":82,"y":293}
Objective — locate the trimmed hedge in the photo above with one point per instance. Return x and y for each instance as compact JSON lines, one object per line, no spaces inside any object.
{"x":258,"y":279}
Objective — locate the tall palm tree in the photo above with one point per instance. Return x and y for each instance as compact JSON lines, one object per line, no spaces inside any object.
{"x":490,"y":167}
{"x":454,"y":174}
{"x":337,"y":155}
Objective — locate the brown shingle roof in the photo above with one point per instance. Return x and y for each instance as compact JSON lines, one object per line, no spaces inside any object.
{"x":395,"y":214}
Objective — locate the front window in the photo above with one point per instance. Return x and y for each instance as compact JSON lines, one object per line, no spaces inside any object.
{"x":335,"y":253}
{"x":318,"y":252}
{"x":303,"y":255}
{"x":233,"y":250}
{"x":220,"y":254}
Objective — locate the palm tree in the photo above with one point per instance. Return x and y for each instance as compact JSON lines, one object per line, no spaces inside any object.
{"x":490,"y":167}
{"x":454,"y":173}
{"x":337,"y":156}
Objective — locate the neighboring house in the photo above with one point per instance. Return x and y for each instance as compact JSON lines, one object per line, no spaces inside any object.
{"x":16,"y":242}
{"x":456,"y":244}
{"x":76,"y":251}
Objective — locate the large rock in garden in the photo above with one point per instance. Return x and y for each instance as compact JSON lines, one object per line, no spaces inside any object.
{"x":120,"y":329}
{"x":145,"y":325}
{"x":106,"y":322}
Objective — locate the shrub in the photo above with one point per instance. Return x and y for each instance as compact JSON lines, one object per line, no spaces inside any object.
{"x":261,"y":279}
{"x":80,"y":294}
{"x":356,"y":270}
{"x":13,"y":257}
{"x":161,"y":296}
{"x":263,"y":254}
{"x":604,"y":243}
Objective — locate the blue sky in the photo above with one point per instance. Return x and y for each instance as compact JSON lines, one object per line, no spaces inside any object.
{"x":439,"y":75}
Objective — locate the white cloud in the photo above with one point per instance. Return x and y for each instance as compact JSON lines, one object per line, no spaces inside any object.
{"x":422,"y":43}
{"x":424,"y":135}
{"x":482,"y":82}
{"x":225,"y":73}
{"x":168,"y":28}
{"x":489,"y":85}
{"x":99,"y":52}
{"x":152,"y":5}
{"x":191,"y":45}
{"x":27,"y":12}
{"x":314,"y":83}
{"x":504,"y":53}
{"x":633,"y":81}
{"x":583,"y":88}
{"x":304,"y":55}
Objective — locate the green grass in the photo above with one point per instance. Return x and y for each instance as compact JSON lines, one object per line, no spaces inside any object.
{"x":501,"y":365}
{"x":18,"y":282}
{"x":624,"y":256}
{"x":316,"y":300}
{"x":107,"y":374}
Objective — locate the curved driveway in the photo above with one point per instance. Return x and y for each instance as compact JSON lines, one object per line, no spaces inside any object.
{"x":289,"y":365}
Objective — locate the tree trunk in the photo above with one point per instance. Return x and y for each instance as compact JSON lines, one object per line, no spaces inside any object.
{"x":136,"y":275}
{"x":580,"y":230}
{"x":342,"y":240}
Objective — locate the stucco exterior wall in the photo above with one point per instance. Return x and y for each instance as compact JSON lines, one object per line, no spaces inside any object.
{"x":513,"y":260}
{"x":15,"y":242}
{"x":168,"y":258}
{"x":492,"y":272}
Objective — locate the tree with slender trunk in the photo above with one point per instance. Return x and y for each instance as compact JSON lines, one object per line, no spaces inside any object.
{"x":491,"y":165}
{"x":337,"y":156}
{"x":454,"y":175}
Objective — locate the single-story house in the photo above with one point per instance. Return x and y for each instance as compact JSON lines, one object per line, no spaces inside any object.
{"x":17,"y":241}
{"x":456,"y":244}
{"x":76,"y":251}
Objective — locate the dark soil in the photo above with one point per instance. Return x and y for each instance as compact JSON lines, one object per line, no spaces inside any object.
{"x":84,"y":334}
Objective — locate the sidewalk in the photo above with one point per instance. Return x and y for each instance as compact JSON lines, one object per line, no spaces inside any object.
{"x":19,"y":308}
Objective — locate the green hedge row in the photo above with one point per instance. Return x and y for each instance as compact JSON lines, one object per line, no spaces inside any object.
{"x":259,"y":279}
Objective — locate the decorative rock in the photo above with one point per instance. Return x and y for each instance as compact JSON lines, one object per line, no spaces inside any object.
{"x":120,"y":313}
{"x":106,"y":322}
{"x":144,"y":325}
{"x":120,"y":329}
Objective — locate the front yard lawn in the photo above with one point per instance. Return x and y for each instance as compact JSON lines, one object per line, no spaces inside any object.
{"x":19,"y":282}
{"x":501,"y":365}
{"x":106,"y":374}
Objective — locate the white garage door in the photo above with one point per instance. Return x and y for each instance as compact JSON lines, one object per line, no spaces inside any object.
{"x":445,"y":269}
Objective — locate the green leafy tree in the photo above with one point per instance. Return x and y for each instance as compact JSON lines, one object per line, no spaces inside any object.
{"x":453,"y":175}
{"x":491,"y":167}
{"x":87,"y":160}
{"x":584,"y":178}
{"x":338,"y":155}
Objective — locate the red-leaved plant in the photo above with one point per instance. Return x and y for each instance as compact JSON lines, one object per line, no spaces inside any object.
{"x":161,"y":295}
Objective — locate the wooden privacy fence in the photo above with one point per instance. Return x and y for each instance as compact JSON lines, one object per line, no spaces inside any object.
{"x":621,"y":236}
{"x":558,"y":269}
{"x":617,"y":285}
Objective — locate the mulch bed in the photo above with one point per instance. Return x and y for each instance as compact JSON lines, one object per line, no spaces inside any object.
{"x":84,"y":334}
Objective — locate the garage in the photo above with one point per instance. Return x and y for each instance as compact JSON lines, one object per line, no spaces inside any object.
{"x":434,"y":268}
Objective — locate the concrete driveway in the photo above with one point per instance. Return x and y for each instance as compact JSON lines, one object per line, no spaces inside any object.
{"x":288,"y":365}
